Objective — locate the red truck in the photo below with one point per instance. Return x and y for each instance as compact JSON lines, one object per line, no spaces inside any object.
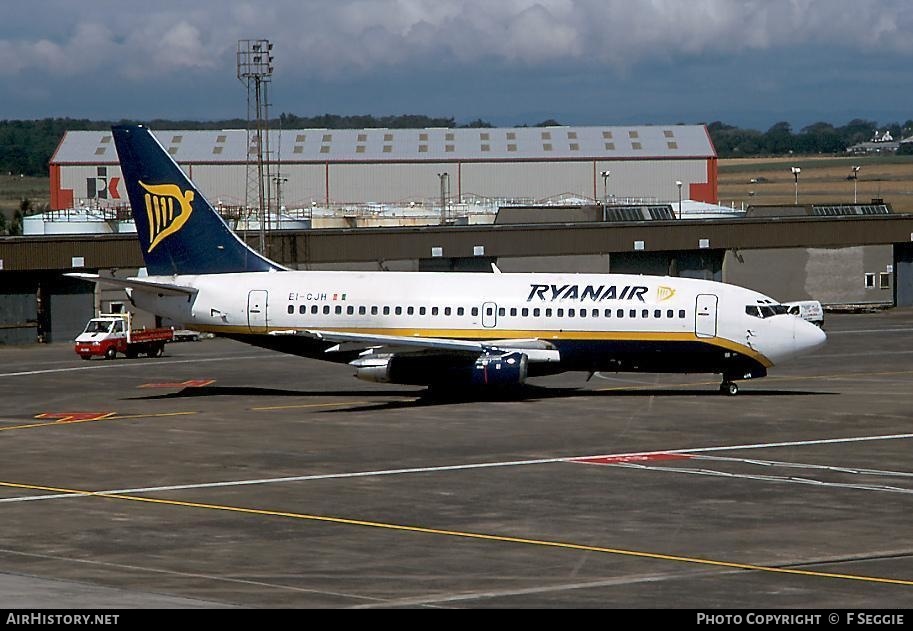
{"x":113,"y":333}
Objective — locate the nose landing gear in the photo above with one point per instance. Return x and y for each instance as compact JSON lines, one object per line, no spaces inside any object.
{"x":729,"y":388}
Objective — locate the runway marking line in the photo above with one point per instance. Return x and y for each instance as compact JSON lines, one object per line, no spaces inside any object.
{"x":74,"y":417}
{"x":848,"y":375}
{"x":632,"y":458}
{"x":190,"y":383}
{"x":479,"y":536}
{"x":110,"y":416}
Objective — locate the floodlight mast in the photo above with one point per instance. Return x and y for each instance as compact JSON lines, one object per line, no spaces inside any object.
{"x":255,"y":69}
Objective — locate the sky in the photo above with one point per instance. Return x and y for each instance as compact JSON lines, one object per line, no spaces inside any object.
{"x":750,"y":63}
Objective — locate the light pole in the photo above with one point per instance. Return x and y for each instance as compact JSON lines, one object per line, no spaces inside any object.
{"x":678,"y":183}
{"x":444,"y":177}
{"x":855,"y":176}
{"x":605,"y":191}
{"x":279,"y":181}
{"x":796,"y":171}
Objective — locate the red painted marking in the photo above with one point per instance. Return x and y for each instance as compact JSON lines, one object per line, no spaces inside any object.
{"x":112,"y":187}
{"x":632,"y":458}
{"x":190,"y":383}
{"x":74,"y":417}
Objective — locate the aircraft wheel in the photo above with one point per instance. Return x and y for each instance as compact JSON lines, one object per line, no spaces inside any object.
{"x":729,"y":388}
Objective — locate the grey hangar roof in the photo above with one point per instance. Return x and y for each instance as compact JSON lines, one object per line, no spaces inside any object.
{"x":410,"y":145}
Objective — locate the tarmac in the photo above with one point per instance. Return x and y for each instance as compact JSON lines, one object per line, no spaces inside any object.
{"x":222,"y":475}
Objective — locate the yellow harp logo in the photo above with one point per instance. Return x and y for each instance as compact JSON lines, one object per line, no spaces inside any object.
{"x":664,"y":293}
{"x":164,"y":217}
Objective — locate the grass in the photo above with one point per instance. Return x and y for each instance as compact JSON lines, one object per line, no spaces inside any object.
{"x":822,"y":180}
{"x":13,"y":189}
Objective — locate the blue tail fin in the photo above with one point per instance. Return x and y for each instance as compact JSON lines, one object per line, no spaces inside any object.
{"x":179,"y":231}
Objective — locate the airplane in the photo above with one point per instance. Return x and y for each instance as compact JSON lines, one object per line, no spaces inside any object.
{"x":443,"y":330}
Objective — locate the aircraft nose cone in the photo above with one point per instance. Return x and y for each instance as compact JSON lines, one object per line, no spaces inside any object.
{"x":808,"y":336}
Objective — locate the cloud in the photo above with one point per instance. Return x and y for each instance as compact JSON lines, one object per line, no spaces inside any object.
{"x":325,"y":39}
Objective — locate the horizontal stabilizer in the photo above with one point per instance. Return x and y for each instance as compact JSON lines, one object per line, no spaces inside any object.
{"x":137,"y":284}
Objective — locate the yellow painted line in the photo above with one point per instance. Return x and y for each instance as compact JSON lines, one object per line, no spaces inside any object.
{"x":93,"y":420}
{"x":479,"y":536}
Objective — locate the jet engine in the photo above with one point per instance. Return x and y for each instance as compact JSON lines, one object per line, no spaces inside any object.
{"x":417,"y":370}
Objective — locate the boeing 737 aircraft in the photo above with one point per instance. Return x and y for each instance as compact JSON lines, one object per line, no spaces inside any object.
{"x":439,"y":329}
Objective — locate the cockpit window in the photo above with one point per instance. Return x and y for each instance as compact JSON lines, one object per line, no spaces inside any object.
{"x":765,"y":311}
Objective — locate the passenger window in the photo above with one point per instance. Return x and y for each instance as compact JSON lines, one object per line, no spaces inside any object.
{"x":475,"y":311}
{"x":632,"y":313}
{"x":607,"y":313}
{"x":374,"y":310}
{"x":421,"y":310}
{"x":386,"y":310}
{"x":398,"y":311}
{"x":434,"y":311}
{"x":446,"y":311}
{"x":488,"y":311}
{"x":502,"y":311}
{"x":571,"y":313}
{"x":513,"y":312}
{"x":410,"y":310}
{"x":548,"y":313}
{"x":302,"y":309}
{"x":670,"y":313}
{"x":681,"y":313}
{"x":583,"y":313}
{"x":658,"y":313}
{"x":338,"y":309}
{"x":536,"y":312}
{"x":314,"y":309}
{"x":524,"y":312}
{"x":595,"y":313}
{"x":462,"y":311}
{"x":291,"y":308}
{"x":350,"y":310}
{"x":326,"y":310}
{"x":362,"y":310}
{"x":645,"y":313}
{"x":560,"y":313}
{"x":620,"y":313}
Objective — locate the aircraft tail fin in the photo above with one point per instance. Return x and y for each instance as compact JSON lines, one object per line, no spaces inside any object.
{"x":179,"y":230}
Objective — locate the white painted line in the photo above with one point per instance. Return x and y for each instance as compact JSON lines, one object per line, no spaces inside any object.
{"x":815,"y":467}
{"x":867,"y":331}
{"x":764,"y":478}
{"x":461,"y":467}
{"x":135,"y":364}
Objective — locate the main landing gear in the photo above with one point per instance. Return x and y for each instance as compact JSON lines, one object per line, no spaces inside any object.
{"x":729,"y":388}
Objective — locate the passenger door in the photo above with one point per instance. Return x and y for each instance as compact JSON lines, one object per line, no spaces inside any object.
{"x":705,"y":315}
{"x":256,"y":310}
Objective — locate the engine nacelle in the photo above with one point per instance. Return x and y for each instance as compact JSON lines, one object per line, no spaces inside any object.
{"x":487,"y":370}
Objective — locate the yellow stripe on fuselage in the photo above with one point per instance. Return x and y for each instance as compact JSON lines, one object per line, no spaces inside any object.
{"x":505,"y":334}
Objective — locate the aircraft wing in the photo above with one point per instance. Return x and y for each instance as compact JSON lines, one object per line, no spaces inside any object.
{"x":536,"y":350}
{"x":137,"y":284}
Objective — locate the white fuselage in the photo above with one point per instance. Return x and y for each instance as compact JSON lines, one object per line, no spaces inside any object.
{"x":589,"y":318}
